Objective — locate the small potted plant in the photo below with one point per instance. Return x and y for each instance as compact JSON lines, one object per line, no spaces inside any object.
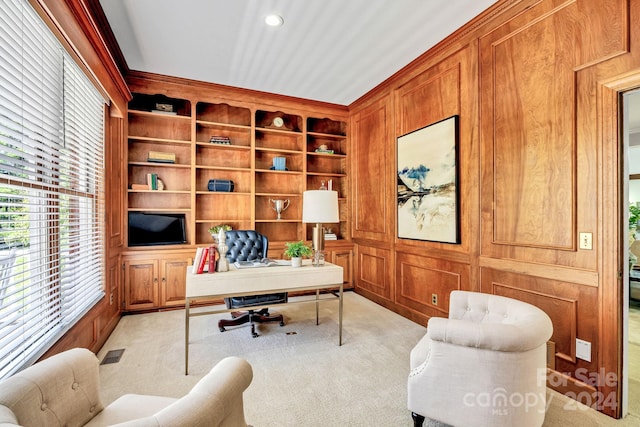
{"x":296,"y":250}
{"x":216,"y":229}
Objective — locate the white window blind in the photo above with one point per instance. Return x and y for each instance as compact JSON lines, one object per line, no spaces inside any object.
{"x":51,"y":188}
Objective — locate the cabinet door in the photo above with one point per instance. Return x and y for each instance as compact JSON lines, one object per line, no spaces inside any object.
{"x":172,"y":281}
{"x":141,"y":284}
{"x":344,"y":260}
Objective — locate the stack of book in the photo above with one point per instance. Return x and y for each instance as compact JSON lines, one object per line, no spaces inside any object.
{"x":164,"y":108}
{"x":161,"y":157}
{"x":324,"y":151}
{"x":216,"y":139}
{"x":330,"y":236}
{"x":152,"y":181}
{"x":205,"y":260}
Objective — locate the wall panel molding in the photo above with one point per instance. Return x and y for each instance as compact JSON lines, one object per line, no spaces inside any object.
{"x":419,"y":279}
{"x":562,"y":311}
{"x":547,"y":271}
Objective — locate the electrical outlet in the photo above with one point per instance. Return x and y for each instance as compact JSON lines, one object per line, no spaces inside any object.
{"x":111,"y":298}
{"x":583,"y":350}
{"x":434,"y":299}
{"x":586,"y":241}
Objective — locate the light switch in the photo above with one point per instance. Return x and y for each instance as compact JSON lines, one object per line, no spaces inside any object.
{"x":586,"y":241}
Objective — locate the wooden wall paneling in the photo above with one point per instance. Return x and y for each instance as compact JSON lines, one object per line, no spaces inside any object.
{"x":419,"y":278}
{"x":570,"y":307}
{"x":535,"y":164}
{"x":447,"y":88}
{"x":114,"y":179}
{"x":372,"y":166}
{"x":528,"y":146}
{"x":374,"y":273}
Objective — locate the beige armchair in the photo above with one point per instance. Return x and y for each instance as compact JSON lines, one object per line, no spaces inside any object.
{"x":63,"y":390}
{"x":483,"y":366}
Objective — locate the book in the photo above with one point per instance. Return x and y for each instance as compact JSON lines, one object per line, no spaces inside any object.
{"x":161,"y":156}
{"x":318,"y":150}
{"x":220,"y":140}
{"x":213,"y":255}
{"x":196,"y":260}
{"x":139,"y":187}
{"x":152,"y":181}
{"x":264,"y":262}
{"x":203,"y":260}
{"x":150,"y":160}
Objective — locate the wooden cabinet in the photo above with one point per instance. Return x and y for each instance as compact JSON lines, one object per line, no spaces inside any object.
{"x":216,"y":133}
{"x":279,"y":135}
{"x":222,"y":152}
{"x":166,"y":132}
{"x":327,"y":166}
{"x":344,"y":258}
{"x":155,"y":281}
{"x":140,"y":284}
{"x":243,"y":142}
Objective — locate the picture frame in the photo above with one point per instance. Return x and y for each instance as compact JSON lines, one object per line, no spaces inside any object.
{"x":427,"y":180}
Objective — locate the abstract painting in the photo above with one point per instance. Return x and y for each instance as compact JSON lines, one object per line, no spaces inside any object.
{"x":428,"y":183}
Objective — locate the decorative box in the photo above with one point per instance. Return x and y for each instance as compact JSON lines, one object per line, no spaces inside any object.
{"x":220,"y":185}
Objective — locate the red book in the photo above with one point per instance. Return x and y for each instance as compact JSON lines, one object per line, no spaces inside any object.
{"x":203,"y":261}
{"x":213,"y":254}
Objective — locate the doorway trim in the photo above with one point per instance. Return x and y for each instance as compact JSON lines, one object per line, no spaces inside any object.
{"x":611,"y":267}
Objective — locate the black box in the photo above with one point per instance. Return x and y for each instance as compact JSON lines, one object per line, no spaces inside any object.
{"x":220,"y":185}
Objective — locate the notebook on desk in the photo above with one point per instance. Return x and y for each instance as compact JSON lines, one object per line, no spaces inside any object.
{"x":264,"y":262}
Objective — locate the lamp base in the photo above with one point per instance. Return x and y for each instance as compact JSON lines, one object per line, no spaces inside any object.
{"x":318,"y":259}
{"x":318,"y":245}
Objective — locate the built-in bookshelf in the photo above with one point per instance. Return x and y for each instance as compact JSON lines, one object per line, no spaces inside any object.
{"x":268,"y":153}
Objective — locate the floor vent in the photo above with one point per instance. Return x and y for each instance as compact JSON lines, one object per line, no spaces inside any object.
{"x":113,"y":356}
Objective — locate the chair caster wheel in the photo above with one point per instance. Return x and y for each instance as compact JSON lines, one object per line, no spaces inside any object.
{"x":222,"y":329}
{"x":255,"y":335}
{"x":281,"y":324}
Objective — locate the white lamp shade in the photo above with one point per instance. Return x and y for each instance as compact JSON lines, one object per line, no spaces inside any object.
{"x":320,"y":206}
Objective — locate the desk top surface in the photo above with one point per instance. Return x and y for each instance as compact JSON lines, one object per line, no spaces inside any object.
{"x":247,"y":281}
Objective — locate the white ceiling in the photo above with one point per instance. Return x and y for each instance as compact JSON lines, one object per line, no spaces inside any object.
{"x":327,"y":50}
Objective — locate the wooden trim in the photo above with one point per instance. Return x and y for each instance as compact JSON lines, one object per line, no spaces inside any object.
{"x":553,"y":272}
{"x":230,"y":93}
{"x":74,"y":25}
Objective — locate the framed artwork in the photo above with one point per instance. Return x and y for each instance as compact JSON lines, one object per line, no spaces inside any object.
{"x":428,"y":183}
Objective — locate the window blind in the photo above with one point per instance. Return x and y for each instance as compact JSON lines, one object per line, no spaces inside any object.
{"x":51,"y":188}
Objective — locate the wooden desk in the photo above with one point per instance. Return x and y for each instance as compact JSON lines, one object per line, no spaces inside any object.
{"x":257,"y":281}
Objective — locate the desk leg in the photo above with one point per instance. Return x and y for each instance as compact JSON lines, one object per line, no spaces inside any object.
{"x":340,"y":315}
{"x":186,"y":337}
{"x":317,"y":306}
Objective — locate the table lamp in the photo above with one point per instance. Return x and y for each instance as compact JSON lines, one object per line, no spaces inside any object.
{"x":319,"y":206}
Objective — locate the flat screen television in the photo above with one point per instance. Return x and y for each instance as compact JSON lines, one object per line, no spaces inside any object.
{"x":150,"y":229}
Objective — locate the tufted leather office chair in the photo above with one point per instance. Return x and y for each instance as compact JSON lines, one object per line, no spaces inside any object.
{"x":249,"y":245}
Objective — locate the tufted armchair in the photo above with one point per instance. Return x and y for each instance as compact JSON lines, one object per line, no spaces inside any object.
{"x":484,"y":366}
{"x":249,"y":245}
{"x":64,"y":390}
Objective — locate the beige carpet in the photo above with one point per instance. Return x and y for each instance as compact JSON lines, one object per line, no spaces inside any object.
{"x":301,"y":376}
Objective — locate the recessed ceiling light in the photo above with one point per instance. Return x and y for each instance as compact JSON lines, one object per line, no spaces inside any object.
{"x":274,"y":20}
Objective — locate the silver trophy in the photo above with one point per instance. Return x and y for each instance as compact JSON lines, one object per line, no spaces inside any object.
{"x":279,"y":205}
